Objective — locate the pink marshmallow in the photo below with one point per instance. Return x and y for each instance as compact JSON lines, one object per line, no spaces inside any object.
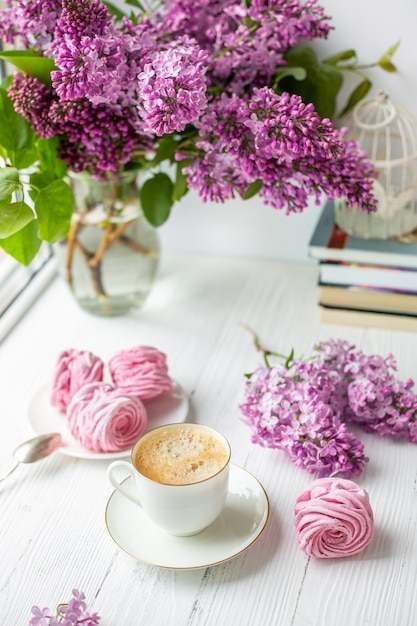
{"x":333,"y":518}
{"x":73,"y":370}
{"x":105,"y":419}
{"x":141,"y":371}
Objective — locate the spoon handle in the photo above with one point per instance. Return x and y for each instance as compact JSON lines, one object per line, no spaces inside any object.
{"x":10,"y":470}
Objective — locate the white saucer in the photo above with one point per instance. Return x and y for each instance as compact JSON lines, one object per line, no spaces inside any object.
{"x":44,"y":418}
{"x":238,"y":527}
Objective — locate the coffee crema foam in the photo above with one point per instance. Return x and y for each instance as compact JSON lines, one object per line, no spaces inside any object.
{"x":180,"y":456}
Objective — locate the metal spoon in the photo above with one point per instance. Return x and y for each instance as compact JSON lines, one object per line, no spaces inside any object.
{"x":34,"y":450}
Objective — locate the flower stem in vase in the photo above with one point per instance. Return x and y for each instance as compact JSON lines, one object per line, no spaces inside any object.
{"x":71,"y":240}
{"x":112,"y":252}
{"x":94,"y":271}
{"x":111,"y":234}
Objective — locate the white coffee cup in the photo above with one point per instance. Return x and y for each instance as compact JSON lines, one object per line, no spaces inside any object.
{"x":181,"y":476}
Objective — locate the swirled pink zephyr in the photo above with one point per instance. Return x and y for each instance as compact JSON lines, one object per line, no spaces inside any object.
{"x":73,"y":370}
{"x":105,"y":419}
{"x":141,"y":371}
{"x":333,"y":518}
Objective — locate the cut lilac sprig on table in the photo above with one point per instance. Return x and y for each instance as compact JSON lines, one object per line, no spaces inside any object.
{"x":302,"y":406}
{"x":70,"y":614}
{"x":369,"y":391}
{"x":290,"y":409}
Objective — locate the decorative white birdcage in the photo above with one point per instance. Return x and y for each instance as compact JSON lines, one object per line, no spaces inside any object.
{"x":388,"y":134}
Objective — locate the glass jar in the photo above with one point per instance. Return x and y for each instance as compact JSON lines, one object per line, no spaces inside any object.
{"x":111,"y":254}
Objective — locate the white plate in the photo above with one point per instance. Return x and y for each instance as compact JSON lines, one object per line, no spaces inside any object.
{"x":240,"y":524}
{"x":44,"y":418}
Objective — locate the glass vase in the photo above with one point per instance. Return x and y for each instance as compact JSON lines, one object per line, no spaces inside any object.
{"x":111,"y":254}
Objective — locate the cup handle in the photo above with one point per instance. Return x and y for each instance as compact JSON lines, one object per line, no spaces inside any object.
{"x":122,"y":487}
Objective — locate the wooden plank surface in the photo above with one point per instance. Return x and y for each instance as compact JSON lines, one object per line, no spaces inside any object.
{"x":52,"y":532}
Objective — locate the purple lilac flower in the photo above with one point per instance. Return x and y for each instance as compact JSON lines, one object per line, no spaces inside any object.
{"x":93,"y":138}
{"x":32,"y":99}
{"x":221,"y":169}
{"x":282,"y":142}
{"x":198,"y":66}
{"x":245,"y":41}
{"x":172,"y":88}
{"x":374,"y":397}
{"x":161,"y":88}
{"x":290,"y":410}
{"x":71,"y":614}
{"x":40,"y":616}
{"x":304,"y":409}
{"x":95,"y":59}
{"x":33,"y":21}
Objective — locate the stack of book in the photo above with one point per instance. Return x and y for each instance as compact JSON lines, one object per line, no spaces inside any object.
{"x":364,"y":282}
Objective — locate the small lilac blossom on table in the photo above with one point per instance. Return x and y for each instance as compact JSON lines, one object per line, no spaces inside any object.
{"x":195,"y":85}
{"x":71,"y":614}
{"x":303,"y":406}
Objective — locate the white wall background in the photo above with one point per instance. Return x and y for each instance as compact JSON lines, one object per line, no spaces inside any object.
{"x":251,"y":229}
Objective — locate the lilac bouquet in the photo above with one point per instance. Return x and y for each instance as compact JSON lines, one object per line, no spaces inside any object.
{"x":303,"y":406}
{"x":207,"y":88}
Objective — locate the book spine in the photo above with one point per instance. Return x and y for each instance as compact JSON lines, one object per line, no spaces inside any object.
{"x":368,"y":319}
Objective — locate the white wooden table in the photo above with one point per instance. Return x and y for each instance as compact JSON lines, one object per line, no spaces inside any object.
{"x":52,"y":532}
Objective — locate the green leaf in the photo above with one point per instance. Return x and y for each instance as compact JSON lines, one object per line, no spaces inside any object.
{"x":345,"y":55}
{"x":253,"y":189}
{"x":357,"y":94}
{"x":289,"y":359}
{"x":137,"y":4}
{"x":156,"y":199}
{"x":386,"y":65}
{"x":33,"y":64}
{"x":328,"y":85}
{"x":166,"y":150}
{"x":298,"y":73}
{"x":302,"y":56}
{"x":114,"y":10}
{"x":26,"y":157}
{"x":48,"y":149}
{"x":27,"y":154}
{"x":6,"y":82}
{"x":5,"y":202}
{"x":15,"y":133}
{"x":392,"y":50}
{"x":14,"y":217}
{"x":23,"y":245}
{"x":40,"y":180}
{"x":180,"y":184}
{"x":9,"y":181}
{"x":54,"y":206}
{"x":321,"y":85}
{"x":385,"y":61}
